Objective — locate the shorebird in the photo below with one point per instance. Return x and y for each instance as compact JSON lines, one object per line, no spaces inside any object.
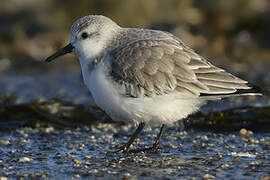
{"x":145,"y":77}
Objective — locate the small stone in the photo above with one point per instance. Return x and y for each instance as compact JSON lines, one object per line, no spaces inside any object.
{"x":243,"y":132}
{"x":203,"y":145}
{"x":225,"y":165}
{"x":126,"y":176}
{"x":208,"y":176}
{"x":49,"y":129}
{"x":252,"y":141}
{"x":250,"y":133}
{"x":80,"y":146}
{"x":25,"y":159}
{"x":76,"y":161}
{"x":173,"y":146}
{"x":4,"y":142}
{"x":87,"y":157}
{"x":77,"y":176}
{"x":205,"y":138}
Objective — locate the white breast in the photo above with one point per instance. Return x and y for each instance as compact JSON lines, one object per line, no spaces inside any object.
{"x":110,"y":97}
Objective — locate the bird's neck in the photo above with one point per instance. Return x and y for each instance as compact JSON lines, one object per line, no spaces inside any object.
{"x":90,"y":64}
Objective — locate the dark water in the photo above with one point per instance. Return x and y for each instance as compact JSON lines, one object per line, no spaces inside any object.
{"x":81,"y":153}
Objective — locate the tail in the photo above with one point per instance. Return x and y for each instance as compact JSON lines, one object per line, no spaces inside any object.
{"x":253,"y":91}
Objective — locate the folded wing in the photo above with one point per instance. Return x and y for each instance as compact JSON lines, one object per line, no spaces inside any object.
{"x":157,"y":67}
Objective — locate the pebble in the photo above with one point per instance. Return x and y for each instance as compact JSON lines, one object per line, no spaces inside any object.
{"x":126,"y":176}
{"x":225,"y":165}
{"x":4,"y":142}
{"x":243,"y":154}
{"x":173,"y":146}
{"x":80,"y":146}
{"x":250,"y":133}
{"x":208,"y":176}
{"x":25,"y":159}
{"x":49,"y":129}
{"x":87,"y":157}
{"x":76,"y":161}
{"x":243,"y":132}
{"x":253,"y":141}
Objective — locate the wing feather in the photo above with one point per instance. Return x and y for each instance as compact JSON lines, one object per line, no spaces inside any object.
{"x":220,"y":76}
{"x":155,"y":67}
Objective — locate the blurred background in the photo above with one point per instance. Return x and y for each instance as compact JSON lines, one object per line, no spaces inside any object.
{"x":231,"y":34}
{"x":39,"y":100}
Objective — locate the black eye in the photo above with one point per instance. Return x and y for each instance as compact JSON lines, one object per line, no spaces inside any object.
{"x":84,"y":35}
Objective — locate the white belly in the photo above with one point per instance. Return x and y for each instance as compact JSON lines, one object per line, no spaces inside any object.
{"x":108,"y":96}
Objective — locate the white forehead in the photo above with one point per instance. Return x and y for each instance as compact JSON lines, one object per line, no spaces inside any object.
{"x":96,"y":22}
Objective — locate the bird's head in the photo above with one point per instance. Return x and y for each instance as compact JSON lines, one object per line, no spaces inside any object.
{"x":89,"y":37}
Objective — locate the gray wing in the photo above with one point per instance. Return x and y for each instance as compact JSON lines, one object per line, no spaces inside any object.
{"x":148,"y":67}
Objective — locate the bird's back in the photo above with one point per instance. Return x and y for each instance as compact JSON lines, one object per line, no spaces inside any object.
{"x":149,"y":62}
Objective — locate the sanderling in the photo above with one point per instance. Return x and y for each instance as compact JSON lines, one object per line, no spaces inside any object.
{"x":145,"y":76}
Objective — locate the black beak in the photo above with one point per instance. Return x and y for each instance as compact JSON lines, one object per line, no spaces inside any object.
{"x":67,"y":49}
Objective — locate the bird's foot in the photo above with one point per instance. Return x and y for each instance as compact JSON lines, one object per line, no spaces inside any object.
{"x":156,"y":148}
{"x":123,"y":149}
{"x":152,"y":150}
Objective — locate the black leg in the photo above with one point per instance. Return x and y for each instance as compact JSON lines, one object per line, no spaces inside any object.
{"x":156,"y":146}
{"x":131,"y":140}
{"x":158,"y":140}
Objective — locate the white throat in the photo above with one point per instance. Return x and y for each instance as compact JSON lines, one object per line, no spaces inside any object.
{"x":89,"y":50}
